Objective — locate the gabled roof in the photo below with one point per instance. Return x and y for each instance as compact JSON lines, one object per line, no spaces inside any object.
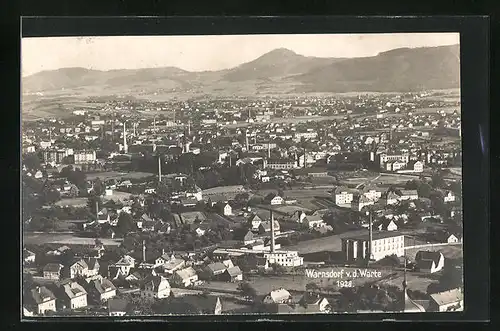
{"x":79,"y":264}
{"x":73,"y":290}
{"x":92,"y":263}
{"x":158,"y":282}
{"x":234,"y":271}
{"x":186,"y":273}
{"x":52,"y":267}
{"x":429,"y":256}
{"x":41,"y":294}
{"x":279,"y":295}
{"x":447,"y":297}
{"x":217,"y":266}
{"x":103,"y":286}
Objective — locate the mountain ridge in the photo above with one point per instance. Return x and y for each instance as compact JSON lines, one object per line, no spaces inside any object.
{"x":279,"y":69}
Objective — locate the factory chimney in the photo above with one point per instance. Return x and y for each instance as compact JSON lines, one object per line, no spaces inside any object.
{"x":370,"y":236}
{"x":144,"y":251}
{"x":268,"y":150}
{"x":159,"y":168}
{"x":246,"y":140}
{"x":189,"y":127}
{"x":97,"y":210}
{"x":135,"y":126}
{"x":125,"y":147}
{"x":272,"y":231}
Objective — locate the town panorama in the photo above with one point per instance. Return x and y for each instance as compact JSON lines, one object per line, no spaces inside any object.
{"x":287,"y":184}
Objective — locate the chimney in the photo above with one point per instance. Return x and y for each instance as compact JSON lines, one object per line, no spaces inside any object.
{"x":143,"y":251}
{"x":189,"y":127}
{"x":370,"y":243}
{"x":272,"y":231}
{"x":125,"y":147}
{"x":159,"y":168}
{"x":246,"y":139}
{"x":135,"y":126}
{"x":97,"y":210}
{"x":39,"y":289}
{"x":162,"y":251}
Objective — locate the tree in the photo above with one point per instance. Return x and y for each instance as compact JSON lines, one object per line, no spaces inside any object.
{"x":311,"y":287}
{"x":247,"y":290}
{"x":99,"y":187}
{"x":32,"y":162}
{"x":91,"y":204}
{"x":437,"y":180}
{"x":424,"y":190}
{"x":125,"y":224}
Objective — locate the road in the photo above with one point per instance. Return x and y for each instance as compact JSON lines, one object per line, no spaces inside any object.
{"x":334,"y":242}
{"x":368,"y":181}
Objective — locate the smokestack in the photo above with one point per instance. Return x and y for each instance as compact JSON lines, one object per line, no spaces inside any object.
{"x":189,"y":127}
{"x":159,"y":168}
{"x":144,"y":251}
{"x":154,"y":123}
{"x":97,"y":210}
{"x":272,"y":231}
{"x":246,"y":139}
{"x":135,"y":126}
{"x":370,"y":227}
{"x":268,"y":150}
{"x":125,"y":147}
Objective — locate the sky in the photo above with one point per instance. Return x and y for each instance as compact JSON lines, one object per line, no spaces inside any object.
{"x":202,"y":53}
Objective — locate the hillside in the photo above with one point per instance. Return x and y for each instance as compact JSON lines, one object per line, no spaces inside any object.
{"x":397,"y":70}
{"x":279,"y":71}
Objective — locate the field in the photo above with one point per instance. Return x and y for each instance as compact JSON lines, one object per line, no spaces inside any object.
{"x":449,"y":251}
{"x":117,"y":175}
{"x":415,"y":282}
{"x":64,"y":239}
{"x":75,"y":202}
{"x":266,"y":284}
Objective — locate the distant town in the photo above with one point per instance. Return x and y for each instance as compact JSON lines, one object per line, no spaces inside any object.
{"x":271,"y":205}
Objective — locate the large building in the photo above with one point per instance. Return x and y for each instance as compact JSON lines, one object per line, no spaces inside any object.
{"x":84,"y":157}
{"x":284,"y":258}
{"x":383,"y":244}
{"x":281,"y":164}
{"x":56,"y":155}
{"x":401,"y":161}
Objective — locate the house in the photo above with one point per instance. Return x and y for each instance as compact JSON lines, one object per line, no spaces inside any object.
{"x":448,"y":237}
{"x":101,"y":290}
{"x":387,"y":225}
{"x":313,"y":221}
{"x":390,"y":198}
{"x":52,"y":271}
{"x":311,"y":299}
{"x":72,"y":295}
{"x":244,"y":236}
{"x":372,"y":193}
{"x":449,"y":196}
{"x":360,"y":201}
{"x":59,"y":251}
{"x":429,"y":262}
{"x":232,"y":274}
{"x":77,"y":268}
{"x":265,"y":227}
{"x":155,"y":287}
{"x":273,"y":199}
{"x":124,"y":265}
{"x":188,"y":202}
{"x":255,"y":221}
{"x":215,"y":269}
{"x":277,"y":296}
{"x":28,"y":256}
{"x":342,"y":196}
{"x":40,"y":300}
{"x":451,"y":300}
{"x":185,"y":277}
{"x":416,"y":166}
{"x":92,"y":267}
{"x":173,"y":264}
{"x":148,"y":226}
{"x":117,"y":307}
{"x":226,"y":209}
{"x":409,"y":195}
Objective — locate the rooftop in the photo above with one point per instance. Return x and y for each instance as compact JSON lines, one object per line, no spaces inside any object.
{"x":376,"y":235}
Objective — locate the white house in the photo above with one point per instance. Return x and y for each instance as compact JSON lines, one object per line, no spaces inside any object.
{"x":409,"y":195}
{"x":185,"y":277}
{"x":429,"y":262}
{"x":156,"y":287}
{"x":342,"y":196}
{"x":449,"y":196}
{"x":452,"y":300}
{"x":278,"y":296}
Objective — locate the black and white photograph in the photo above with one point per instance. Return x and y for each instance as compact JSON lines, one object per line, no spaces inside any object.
{"x":261,"y":174}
